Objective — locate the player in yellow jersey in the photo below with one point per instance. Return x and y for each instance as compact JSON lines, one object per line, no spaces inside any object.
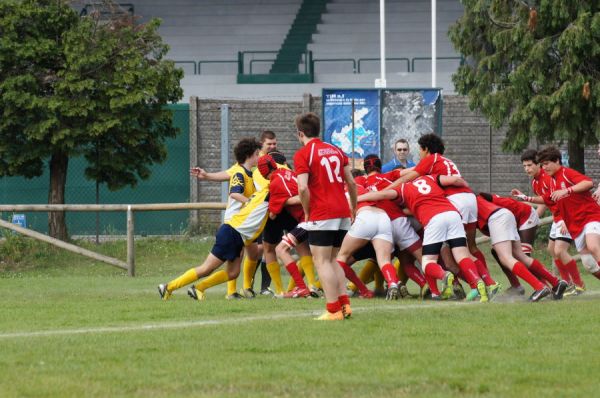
{"x":233,"y":235}
{"x":240,"y":231}
{"x":241,"y":187}
{"x":268,"y":142}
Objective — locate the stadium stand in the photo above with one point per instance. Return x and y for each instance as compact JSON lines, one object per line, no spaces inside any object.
{"x":205,"y":38}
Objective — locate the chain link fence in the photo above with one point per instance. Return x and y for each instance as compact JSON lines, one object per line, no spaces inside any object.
{"x":168,"y":183}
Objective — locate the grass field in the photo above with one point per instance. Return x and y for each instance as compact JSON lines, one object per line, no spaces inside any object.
{"x":72,"y":327}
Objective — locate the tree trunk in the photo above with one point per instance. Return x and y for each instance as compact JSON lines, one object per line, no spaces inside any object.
{"x":576,"y":154}
{"x":57,"y":227}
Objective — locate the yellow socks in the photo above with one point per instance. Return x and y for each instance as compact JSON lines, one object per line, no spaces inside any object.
{"x":275,"y":272}
{"x":231,"y":286}
{"x":399,"y":271}
{"x":214,"y":279}
{"x":186,"y":278}
{"x":367,"y":271}
{"x":249,"y":270}
{"x":307,"y":265}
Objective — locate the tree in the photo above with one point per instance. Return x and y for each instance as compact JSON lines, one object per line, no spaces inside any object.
{"x":534,"y":67}
{"x":82,"y":86}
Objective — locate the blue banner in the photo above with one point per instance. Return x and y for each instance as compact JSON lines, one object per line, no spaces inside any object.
{"x":337,"y":121}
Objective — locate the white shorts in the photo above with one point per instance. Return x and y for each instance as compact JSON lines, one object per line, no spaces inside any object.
{"x":532,"y":221}
{"x":466,"y":204}
{"x":403,"y":233}
{"x":442,"y":227}
{"x":334,"y":224}
{"x":590,"y":228}
{"x":555,"y":231}
{"x":503,"y":226}
{"x":370,"y":224}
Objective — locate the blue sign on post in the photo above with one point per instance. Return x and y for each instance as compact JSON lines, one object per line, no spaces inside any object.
{"x":337,"y":110}
{"x":20,"y":220}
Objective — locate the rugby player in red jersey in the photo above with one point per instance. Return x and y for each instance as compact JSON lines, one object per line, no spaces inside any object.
{"x":323,"y":171}
{"x":371,"y":226}
{"x":285,"y":212}
{"x":404,"y":236}
{"x":527,"y":223}
{"x":431,"y":151}
{"x":559,"y":239}
{"x":570,"y":190}
{"x":426,"y":199}
{"x":500,"y":225}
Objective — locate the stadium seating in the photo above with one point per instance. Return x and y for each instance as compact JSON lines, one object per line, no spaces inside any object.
{"x":207,"y":31}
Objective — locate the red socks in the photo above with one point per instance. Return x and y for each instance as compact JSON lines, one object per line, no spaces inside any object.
{"x":433,"y":272}
{"x":389,"y":274}
{"x":538,"y":269}
{"x":522,"y":272}
{"x":414,"y":274}
{"x":292,"y":268}
{"x":344,"y":299}
{"x":571,"y":267}
{"x":469,"y":271}
{"x":482,"y":268}
{"x":334,"y":307}
{"x":562,"y":270}
{"x":352,"y":277}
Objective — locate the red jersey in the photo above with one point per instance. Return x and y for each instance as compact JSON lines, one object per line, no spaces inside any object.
{"x":576,"y":209}
{"x":284,"y":185}
{"x":424,"y":198}
{"x":438,"y":165}
{"x":360,"y":180}
{"x":541,"y":185}
{"x":324,"y":163}
{"x":485,"y":210}
{"x":360,"y":189}
{"x":379,"y":182}
{"x":520,"y":210}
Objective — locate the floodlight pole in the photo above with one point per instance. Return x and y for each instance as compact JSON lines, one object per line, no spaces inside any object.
{"x":381,"y":82}
{"x":353,"y":167}
{"x":433,"y":43}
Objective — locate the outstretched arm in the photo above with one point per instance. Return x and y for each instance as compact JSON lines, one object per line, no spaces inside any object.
{"x":202,"y":174}
{"x":452,"y":180}
{"x":406,"y":175}
{"x":378,"y":195}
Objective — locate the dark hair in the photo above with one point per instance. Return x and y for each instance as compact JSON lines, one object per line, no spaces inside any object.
{"x":400,"y":140}
{"x":486,"y":196}
{"x":530,"y":154}
{"x":309,"y":123}
{"x":372,"y":163}
{"x":550,"y":153}
{"x":267,"y":134}
{"x":357,"y":172}
{"x":432,"y":143}
{"x":245,"y":148}
{"x":278,"y":157}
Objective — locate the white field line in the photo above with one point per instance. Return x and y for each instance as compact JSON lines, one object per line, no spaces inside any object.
{"x":216,"y":322}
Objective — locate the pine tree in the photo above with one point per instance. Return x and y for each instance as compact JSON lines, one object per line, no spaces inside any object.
{"x":93,"y":86}
{"x":534,"y":67}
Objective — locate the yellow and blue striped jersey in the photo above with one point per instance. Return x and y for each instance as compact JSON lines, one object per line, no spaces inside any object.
{"x":252,"y":217}
{"x":240,"y":181}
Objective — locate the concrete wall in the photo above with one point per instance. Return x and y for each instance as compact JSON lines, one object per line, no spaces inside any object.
{"x":470,"y":142}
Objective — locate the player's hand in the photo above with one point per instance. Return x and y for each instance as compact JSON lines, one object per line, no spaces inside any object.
{"x":557,"y":195}
{"x":596,"y":195}
{"x":563,"y":228}
{"x":198,"y":172}
{"x":517,"y":194}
